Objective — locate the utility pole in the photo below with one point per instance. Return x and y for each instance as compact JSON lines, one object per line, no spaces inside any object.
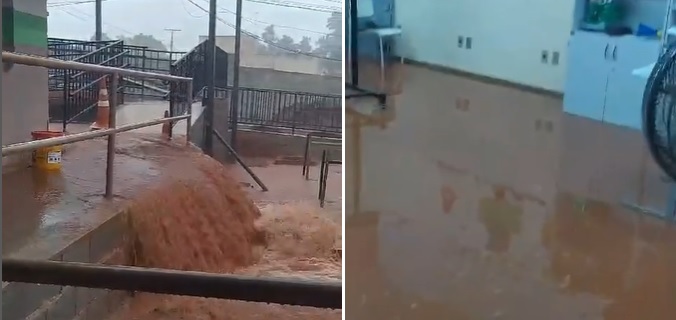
{"x":234,"y":99}
{"x":171,"y":41}
{"x":211,"y":81}
{"x":99,"y":23}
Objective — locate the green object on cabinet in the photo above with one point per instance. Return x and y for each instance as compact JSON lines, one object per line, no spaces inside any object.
{"x":594,"y":11}
{"x":606,"y":12}
{"x":611,"y":14}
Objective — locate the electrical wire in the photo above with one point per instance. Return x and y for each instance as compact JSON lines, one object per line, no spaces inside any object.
{"x":190,"y":13}
{"x":71,"y":3}
{"x":256,"y":37}
{"x":298,"y":5}
{"x":270,"y":23}
{"x":78,"y":14}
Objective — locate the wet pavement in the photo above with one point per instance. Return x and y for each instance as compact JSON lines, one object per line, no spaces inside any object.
{"x":468,"y":200}
{"x":43,"y":212}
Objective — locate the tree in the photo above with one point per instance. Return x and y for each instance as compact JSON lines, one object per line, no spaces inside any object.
{"x":286,"y":42}
{"x":144,"y":40}
{"x":135,"y":59}
{"x":305,"y":45}
{"x":330,"y":46}
{"x":269,"y":34}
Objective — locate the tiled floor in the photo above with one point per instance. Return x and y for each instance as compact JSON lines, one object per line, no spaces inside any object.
{"x":468,"y":200}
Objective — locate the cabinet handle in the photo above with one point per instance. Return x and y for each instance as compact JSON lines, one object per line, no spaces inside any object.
{"x":605,"y":51}
{"x":615,"y":53}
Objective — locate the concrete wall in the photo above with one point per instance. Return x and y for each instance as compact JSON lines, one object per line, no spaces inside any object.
{"x":253,"y":55}
{"x":280,"y":80}
{"x":294,"y":73}
{"x":24,"y":88}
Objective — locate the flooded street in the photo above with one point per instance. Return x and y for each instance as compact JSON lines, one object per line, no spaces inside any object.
{"x":184,"y":211}
{"x":468,"y":200}
{"x":44,"y":211}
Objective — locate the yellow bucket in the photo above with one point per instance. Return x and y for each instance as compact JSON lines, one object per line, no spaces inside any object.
{"x":47,"y":158}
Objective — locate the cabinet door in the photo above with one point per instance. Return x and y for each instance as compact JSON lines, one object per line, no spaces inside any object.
{"x":587,"y":76}
{"x":624,"y":96}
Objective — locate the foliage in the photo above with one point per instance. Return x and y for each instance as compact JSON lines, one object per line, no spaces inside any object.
{"x":328,"y":46}
{"x":331,"y":45}
{"x":156,"y":61}
{"x":143,"y":40}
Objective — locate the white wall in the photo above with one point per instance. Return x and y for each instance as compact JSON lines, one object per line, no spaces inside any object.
{"x":508,"y":37}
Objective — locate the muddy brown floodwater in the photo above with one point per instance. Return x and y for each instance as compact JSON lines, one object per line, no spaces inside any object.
{"x":472,"y":201}
{"x":205,"y":220}
{"x":188,"y":212}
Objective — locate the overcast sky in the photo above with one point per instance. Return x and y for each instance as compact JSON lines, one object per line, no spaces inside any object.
{"x":129,"y":17}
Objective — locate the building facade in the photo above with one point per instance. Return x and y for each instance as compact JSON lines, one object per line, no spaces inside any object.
{"x":24,"y":88}
{"x":254,"y":55}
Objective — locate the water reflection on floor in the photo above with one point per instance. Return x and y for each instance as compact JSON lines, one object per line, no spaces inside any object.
{"x":467,"y":200}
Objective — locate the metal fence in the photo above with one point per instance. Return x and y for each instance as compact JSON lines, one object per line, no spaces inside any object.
{"x":194,"y":65}
{"x":149,"y":60}
{"x":288,"y":109}
{"x":316,"y":294}
{"x":73,"y":94}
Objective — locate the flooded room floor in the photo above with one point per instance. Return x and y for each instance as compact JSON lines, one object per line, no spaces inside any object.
{"x":468,"y":200}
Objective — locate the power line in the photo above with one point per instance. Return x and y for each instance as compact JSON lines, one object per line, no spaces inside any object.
{"x":70,"y":3}
{"x":74,"y":15}
{"x":190,"y":13}
{"x":72,"y":12}
{"x":256,"y":37}
{"x":252,"y":20}
{"x":299,"y":5}
{"x":270,"y":23}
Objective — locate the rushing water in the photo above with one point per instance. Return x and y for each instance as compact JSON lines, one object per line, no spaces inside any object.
{"x":210,"y":224}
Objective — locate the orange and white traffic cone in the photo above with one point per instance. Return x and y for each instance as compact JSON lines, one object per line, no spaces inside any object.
{"x":102,"y":108}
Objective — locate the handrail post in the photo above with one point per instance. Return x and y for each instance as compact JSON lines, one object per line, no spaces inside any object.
{"x":188,"y":124}
{"x":110,"y":159}
{"x":66,"y":99}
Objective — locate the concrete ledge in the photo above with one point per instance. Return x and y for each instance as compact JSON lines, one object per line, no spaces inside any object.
{"x":108,"y":243}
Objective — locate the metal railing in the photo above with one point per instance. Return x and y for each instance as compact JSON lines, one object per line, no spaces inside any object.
{"x":151,"y":60}
{"x":306,"y":293}
{"x":102,"y":71}
{"x":194,"y":65}
{"x":288,"y":109}
{"x":319,"y":294}
{"x":74,"y":93}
